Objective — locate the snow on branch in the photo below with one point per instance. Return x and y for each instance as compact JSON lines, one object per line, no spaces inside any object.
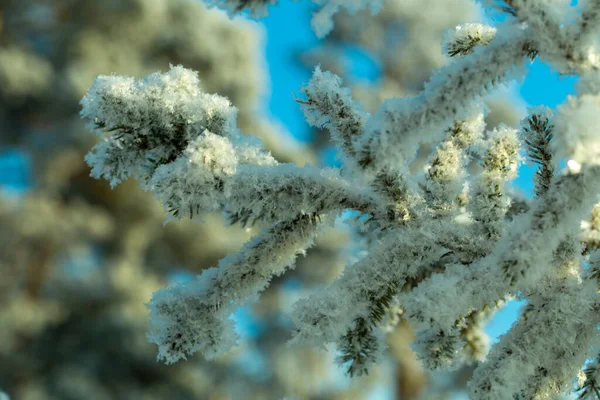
{"x":589,"y":381}
{"x":194,"y":316}
{"x":393,"y":134}
{"x":542,"y":352}
{"x":564,"y":45}
{"x":352,"y":307}
{"x":446,"y":245}
{"x":489,"y":202}
{"x":267,"y":193}
{"x":590,"y":231}
{"x":464,"y":38}
{"x":151,"y":120}
{"x":185,"y":146}
{"x":577,"y":121}
{"x":446,"y":173}
{"x":518,"y":261}
{"x":538,"y":134}
{"x":329,"y":105}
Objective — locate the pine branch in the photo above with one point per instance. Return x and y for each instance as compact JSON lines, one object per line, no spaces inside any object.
{"x":359,"y":345}
{"x":330,"y":105}
{"x":489,"y":203}
{"x":552,"y":341}
{"x":442,"y":267}
{"x":518,"y":261}
{"x":443,"y":183}
{"x":463,"y":40}
{"x":193,"y":317}
{"x":394,"y":133}
{"x":538,"y":134}
{"x":360,"y":349}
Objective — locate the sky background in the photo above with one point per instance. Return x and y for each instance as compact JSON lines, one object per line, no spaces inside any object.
{"x":288,"y":32}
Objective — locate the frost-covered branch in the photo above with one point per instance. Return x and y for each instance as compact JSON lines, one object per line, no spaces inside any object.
{"x":562,"y":44}
{"x":186,"y":148}
{"x":464,"y":38}
{"x":446,"y":173}
{"x":447,"y":245}
{"x":349,"y":311}
{"x":538,"y":133}
{"x":266,"y":193}
{"x":330,"y":105}
{"x":489,"y":202}
{"x":589,"y":388}
{"x":393,"y":134}
{"x":194,"y":316}
{"x":590,"y":231}
{"x":518,"y":261}
{"x":542,"y":353}
{"x":524,"y":253}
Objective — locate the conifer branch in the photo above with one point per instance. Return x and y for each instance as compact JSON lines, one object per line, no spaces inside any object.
{"x":444,"y":180}
{"x":537,"y":134}
{"x":489,"y":202}
{"x":462,"y":40}
{"x":518,"y":261}
{"x":393,"y":134}
{"x":441,"y":252}
{"x":329,"y":105}
{"x":568,"y":322}
{"x":194,"y":316}
{"x":360,"y":348}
